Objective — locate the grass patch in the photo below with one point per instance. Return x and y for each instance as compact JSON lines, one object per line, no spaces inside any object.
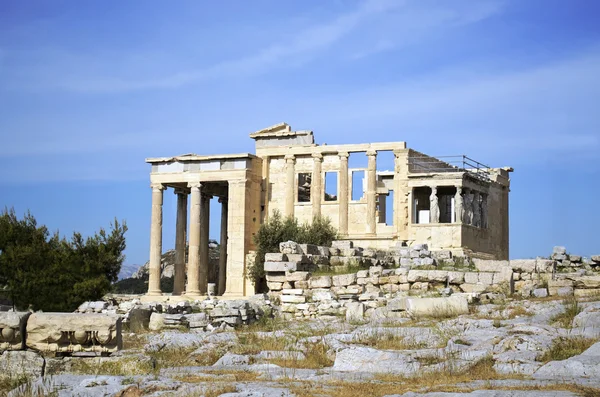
{"x":387,"y":341}
{"x":337,"y":270}
{"x":571,"y":309}
{"x":121,"y":367}
{"x":316,"y":357}
{"x":250,"y":343}
{"x":180,"y":357}
{"x":563,"y":348}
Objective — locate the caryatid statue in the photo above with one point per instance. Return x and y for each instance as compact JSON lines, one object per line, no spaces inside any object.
{"x":468,"y":208}
{"x":434,"y":208}
{"x":458,"y":205}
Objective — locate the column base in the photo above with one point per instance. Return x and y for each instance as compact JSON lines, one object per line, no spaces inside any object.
{"x":154,"y":293}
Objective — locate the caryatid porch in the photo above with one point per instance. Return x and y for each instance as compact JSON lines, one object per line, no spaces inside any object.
{"x":235,"y":180}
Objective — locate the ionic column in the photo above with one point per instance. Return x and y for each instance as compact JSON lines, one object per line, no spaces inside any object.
{"x":371,"y":192}
{"x":156,"y":239}
{"x":317,"y":185}
{"x":204,"y":230}
{"x":343,"y":193}
{"x":290,"y":186}
{"x":458,"y":205}
{"x":180,"y":239}
{"x":193,"y":273}
{"x":434,"y":207}
{"x":223,"y":246}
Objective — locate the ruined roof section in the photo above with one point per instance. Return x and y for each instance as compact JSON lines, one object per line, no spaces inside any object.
{"x":281,"y":134}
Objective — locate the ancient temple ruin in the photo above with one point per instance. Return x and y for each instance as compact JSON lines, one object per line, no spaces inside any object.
{"x":450,"y":203}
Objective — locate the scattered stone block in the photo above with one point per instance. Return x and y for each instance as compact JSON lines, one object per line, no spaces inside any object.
{"x":320,"y":282}
{"x":342,"y":244}
{"x":296,"y":276}
{"x":450,"y":306}
{"x":12,"y":330}
{"x":292,"y":299}
{"x":276,"y":257}
{"x":540,"y":292}
{"x":456,"y":277}
{"x":295,"y":291}
{"x":343,"y":280}
{"x":309,"y":249}
{"x":523,"y":265}
{"x":355,"y":311}
{"x":289,"y":247}
{"x":74,"y":332}
{"x":273,"y":286}
{"x":283,"y":266}
{"x":17,"y":365}
{"x":321,"y":295}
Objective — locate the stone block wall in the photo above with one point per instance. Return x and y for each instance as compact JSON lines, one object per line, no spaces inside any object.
{"x":295,"y":275}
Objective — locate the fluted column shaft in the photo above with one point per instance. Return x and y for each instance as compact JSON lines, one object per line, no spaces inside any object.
{"x":290,"y":185}
{"x":343,"y":194}
{"x":317,"y":185}
{"x":180,"y":240}
{"x":193,"y":276}
{"x":156,"y":240}
{"x":204,"y":232}
{"x":223,"y":246}
{"x":371,"y":192}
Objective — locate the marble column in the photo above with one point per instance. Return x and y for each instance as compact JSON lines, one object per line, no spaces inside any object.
{"x":290,"y":184}
{"x":317,"y":185}
{"x":458,"y":205}
{"x":193,"y":272}
{"x":402,"y":195}
{"x":237,"y":241}
{"x":434,"y":207}
{"x":223,"y":246}
{"x":343,"y":194}
{"x":180,"y":241}
{"x":156,"y":239}
{"x":204,"y":232}
{"x":371,"y":192}
{"x":476,"y":209}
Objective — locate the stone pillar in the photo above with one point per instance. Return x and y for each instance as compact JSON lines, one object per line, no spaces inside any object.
{"x":402,"y":194}
{"x":237,"y":240}
{"x":204,"y":231}
{"x":371,"y":192}
{"x":476,"y":209}
{"x":484,"y":210}
{"x":343,"y":194}
{"x":458,"y":205}
{"x":193,"y":273}
{"x":223,"y":246}
{"x":156,"y":239}
{"x":317,"y":185}
{"x":180,"y":241}
{"x":290,"y":174}
{"x":434,"y":207}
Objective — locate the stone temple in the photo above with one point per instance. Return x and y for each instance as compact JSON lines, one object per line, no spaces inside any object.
{"x":450,"y":203}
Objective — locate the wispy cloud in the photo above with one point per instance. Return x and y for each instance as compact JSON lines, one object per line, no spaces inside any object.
{"x":409,"y":21}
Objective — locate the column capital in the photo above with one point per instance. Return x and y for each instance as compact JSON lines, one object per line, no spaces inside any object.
{"x":223,"y":200}
{"x":371,"y":152}
{"x":317,"y":156}
{"x":344,"y":156}
{"x":238,"y":182}
{"x":206,"y":195}
{"x":158,"y":186}
{"x":290,"y":158}
{"x":398,"y":152}
{"x":181,"y":190}
{"x":194,"y":185}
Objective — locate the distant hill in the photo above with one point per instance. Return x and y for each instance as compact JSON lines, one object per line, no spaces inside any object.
{"x":135,"y":277}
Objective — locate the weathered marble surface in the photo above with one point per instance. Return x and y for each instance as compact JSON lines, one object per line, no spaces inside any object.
{"x":12,"y":330}
{"x":74,"y":332}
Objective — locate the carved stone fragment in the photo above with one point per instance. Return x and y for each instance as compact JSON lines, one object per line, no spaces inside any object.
{"x":73,"y":332}
{"x":12,"y":330}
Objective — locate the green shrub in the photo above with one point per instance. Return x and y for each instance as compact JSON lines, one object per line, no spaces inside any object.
{"x":278,"y":229}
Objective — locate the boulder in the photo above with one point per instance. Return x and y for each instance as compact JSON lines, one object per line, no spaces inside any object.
{"x":585,"y":365}
{"x":74,"y":332}
{"x":157,"y":322}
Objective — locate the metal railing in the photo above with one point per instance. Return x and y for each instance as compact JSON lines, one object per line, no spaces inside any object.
{"x":462,"y":163}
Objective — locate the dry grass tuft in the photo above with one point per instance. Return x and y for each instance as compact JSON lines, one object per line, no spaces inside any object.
{"x":572,"y":309}
{"x":316,"y":357}
{"x":387,"y":341}
{"x":251,"y":343}
{"x":563,"y":348}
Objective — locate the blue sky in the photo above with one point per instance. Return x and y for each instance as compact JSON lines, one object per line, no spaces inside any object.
{"x":88,"y":90}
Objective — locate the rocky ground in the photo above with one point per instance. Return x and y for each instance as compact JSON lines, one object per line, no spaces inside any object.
{"x":536,"y":347}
